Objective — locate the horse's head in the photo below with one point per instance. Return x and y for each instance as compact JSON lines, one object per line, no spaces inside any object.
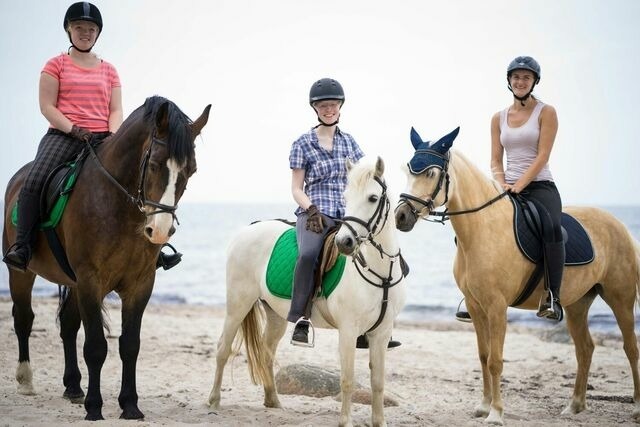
{"x":168,"y":162}
{"x":427,"y":179}
{"x":367,"y":205}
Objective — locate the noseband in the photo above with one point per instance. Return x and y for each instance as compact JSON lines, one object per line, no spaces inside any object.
{"x":140,"y":200}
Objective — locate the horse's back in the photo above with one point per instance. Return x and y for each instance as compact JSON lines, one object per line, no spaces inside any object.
{"x":251,"y":247}
{"x":14,"y":185}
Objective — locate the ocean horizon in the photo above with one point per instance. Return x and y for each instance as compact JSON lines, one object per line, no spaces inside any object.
{"x":206,"y":229}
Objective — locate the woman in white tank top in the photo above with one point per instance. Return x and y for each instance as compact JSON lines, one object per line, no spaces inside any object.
{"x":526,"y":131}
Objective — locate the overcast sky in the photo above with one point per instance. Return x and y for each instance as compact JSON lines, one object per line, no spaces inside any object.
{"x":434,"y":65}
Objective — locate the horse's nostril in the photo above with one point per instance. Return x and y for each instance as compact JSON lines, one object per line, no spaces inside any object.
{"x":172,"y":230}
{"x":348,"y":242}
{"x":148,"y":231}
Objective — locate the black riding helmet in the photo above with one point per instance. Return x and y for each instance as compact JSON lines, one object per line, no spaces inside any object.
{"x":325,"y":89}
{"x":82,"y":11}
{"x":524,"y":63}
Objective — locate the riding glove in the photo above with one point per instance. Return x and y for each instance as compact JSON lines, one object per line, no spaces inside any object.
{"x":314,"y":219}
{"x":80,"y":134}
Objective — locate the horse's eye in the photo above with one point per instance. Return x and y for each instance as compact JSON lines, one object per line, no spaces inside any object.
{"x":153,"y":167}
{"x":373,"y":198}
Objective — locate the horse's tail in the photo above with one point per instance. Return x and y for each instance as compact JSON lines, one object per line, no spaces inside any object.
{"x":257,"y":352}
{"x":65,"y":295}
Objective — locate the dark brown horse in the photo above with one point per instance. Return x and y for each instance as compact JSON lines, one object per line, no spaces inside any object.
{"x":119,"y":214}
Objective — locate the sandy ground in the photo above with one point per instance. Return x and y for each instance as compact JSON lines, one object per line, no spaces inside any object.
{"x":434,"y":375}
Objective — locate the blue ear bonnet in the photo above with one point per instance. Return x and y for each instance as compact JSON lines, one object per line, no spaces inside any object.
{"x":429,"y":154}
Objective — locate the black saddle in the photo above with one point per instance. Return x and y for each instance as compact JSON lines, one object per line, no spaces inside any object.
{"x":530,"y":223}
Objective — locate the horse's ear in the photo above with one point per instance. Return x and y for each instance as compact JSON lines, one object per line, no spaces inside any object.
{"x":415,"y":138}
{"x":379,"y":167}
{"x":444,"y":144}
{"x":197,"y":126}
{"x":162,"y":119}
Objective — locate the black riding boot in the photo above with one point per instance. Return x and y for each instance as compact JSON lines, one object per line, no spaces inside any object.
{"x":19,"y":254}
{"x":554,"y":265}
{"x":167,"y":261}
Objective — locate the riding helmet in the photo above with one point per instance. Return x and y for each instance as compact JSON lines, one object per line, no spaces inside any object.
{"x":524,"y":63}
{"x":82,"y":11}
{"x":326,"y":89}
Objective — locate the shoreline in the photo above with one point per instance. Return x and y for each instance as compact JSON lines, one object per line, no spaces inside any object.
{"x":434,"y":376}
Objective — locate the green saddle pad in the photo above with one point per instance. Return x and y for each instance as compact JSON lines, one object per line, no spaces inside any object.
{"x":55,"y":213}
{"x":282,"y":264}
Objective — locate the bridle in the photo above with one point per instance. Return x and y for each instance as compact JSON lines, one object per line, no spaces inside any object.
{"x":140,"y":199}
{"x":428,"y":203}
{"x":373,"y":227}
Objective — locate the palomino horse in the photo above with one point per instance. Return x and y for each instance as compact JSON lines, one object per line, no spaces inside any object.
{"x":355,"y":306}
{"x":120,"y":213}
{"x":491,"y":272}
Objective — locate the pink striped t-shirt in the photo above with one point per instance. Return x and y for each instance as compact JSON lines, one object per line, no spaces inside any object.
{"x":84,"y":94}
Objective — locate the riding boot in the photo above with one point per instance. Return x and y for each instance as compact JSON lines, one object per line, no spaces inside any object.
{"x":19,"y":254}
{"x":363,"y":342}
{"x":167,"y":261}
{"x":554,"y":258}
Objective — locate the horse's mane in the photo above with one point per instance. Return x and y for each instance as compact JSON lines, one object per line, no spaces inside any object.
{"x":471,"y":168}
{"x":178,"y":139}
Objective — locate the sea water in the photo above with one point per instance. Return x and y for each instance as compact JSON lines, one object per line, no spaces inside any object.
{"x":205,"y":231}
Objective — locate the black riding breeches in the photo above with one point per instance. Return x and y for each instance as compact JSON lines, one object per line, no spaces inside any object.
{"x":546,"y":194}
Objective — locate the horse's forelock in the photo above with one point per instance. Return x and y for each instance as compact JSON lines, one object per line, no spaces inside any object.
{"x":361,"y":174}
{"x":178,"y":138}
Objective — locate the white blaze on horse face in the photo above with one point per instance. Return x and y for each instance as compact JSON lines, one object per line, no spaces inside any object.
{"x":162,"y":223}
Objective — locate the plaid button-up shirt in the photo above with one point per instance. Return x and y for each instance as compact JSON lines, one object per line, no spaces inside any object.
{"x":325,"y":176}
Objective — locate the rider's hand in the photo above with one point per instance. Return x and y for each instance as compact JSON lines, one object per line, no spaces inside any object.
{"x":80,"y":134}
{"x":314,"y":219}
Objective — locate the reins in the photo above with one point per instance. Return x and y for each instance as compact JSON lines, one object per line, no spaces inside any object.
{"x":140,"y":199}
{"x":371,"y":226}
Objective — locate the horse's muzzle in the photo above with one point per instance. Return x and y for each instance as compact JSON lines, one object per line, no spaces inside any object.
{"x":406,"y":217}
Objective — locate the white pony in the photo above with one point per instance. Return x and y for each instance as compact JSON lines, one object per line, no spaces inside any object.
{"x":356,"y":306}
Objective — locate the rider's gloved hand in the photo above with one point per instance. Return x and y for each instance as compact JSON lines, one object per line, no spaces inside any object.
{"x":80,"y":134}
{"x":314,"y":219}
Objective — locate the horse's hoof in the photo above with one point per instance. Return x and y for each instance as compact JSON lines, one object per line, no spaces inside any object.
{"x":131,"y":414}
{"x":74,"y":396}
{"x":636,"y":413}
{"x":574,"y":408}
{"x":494,"y":418}
{"x":481,"y":411}
{"x":94,"y":417}
{"x":26,"y":389}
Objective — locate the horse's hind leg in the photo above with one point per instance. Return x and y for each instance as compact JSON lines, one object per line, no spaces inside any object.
{"x":578,"y":326}
{"x":69,"y":326}
{"x":21,"y":284}
{"x":236,"y":312}
{"x":622,"y":307}
{"x":275,"y":328}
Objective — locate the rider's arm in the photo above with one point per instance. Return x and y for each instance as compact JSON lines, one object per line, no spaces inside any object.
{"x":297,"y":188}
{"x":497,"y":151}
{"x":48,"y":97}
{"x":115,"y":109}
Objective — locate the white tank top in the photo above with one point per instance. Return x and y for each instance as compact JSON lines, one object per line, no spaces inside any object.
{"x":521,"y":145}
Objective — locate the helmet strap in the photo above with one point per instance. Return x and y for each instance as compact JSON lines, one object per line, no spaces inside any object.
{"x":328,"y":124}
{"x":521,"y":98}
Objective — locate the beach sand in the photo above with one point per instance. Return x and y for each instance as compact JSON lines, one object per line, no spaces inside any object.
{"x":434,"y":376}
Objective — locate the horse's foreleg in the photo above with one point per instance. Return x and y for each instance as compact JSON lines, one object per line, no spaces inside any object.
{"x":20,"y":285}
{"x":347,"y":359}
{"x":94,"y":349}
{"x":481,"y":326}
{"x":578,"y":327}
{"x":129,"y":346}
{"x":69,"y":326}
{"x":275,"y":329}
{"x":497,"y":327}
{"x":377,"y":353}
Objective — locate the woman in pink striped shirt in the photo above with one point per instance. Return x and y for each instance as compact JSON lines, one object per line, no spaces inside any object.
{"x":80,"y":96}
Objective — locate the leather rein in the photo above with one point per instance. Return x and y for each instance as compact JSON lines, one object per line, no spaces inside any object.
{"x":140,"y":199}
{"x":373,"y":227}
{"x":428,"y":203}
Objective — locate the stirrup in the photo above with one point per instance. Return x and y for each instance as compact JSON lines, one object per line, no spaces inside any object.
{"x":167,"y":261}
{"x":462,"y":315}
{"x":311,"y":329}
{"x":546,"y":308}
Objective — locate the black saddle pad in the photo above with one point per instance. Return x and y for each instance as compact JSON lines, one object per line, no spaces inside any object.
{"x":578,"y":247}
